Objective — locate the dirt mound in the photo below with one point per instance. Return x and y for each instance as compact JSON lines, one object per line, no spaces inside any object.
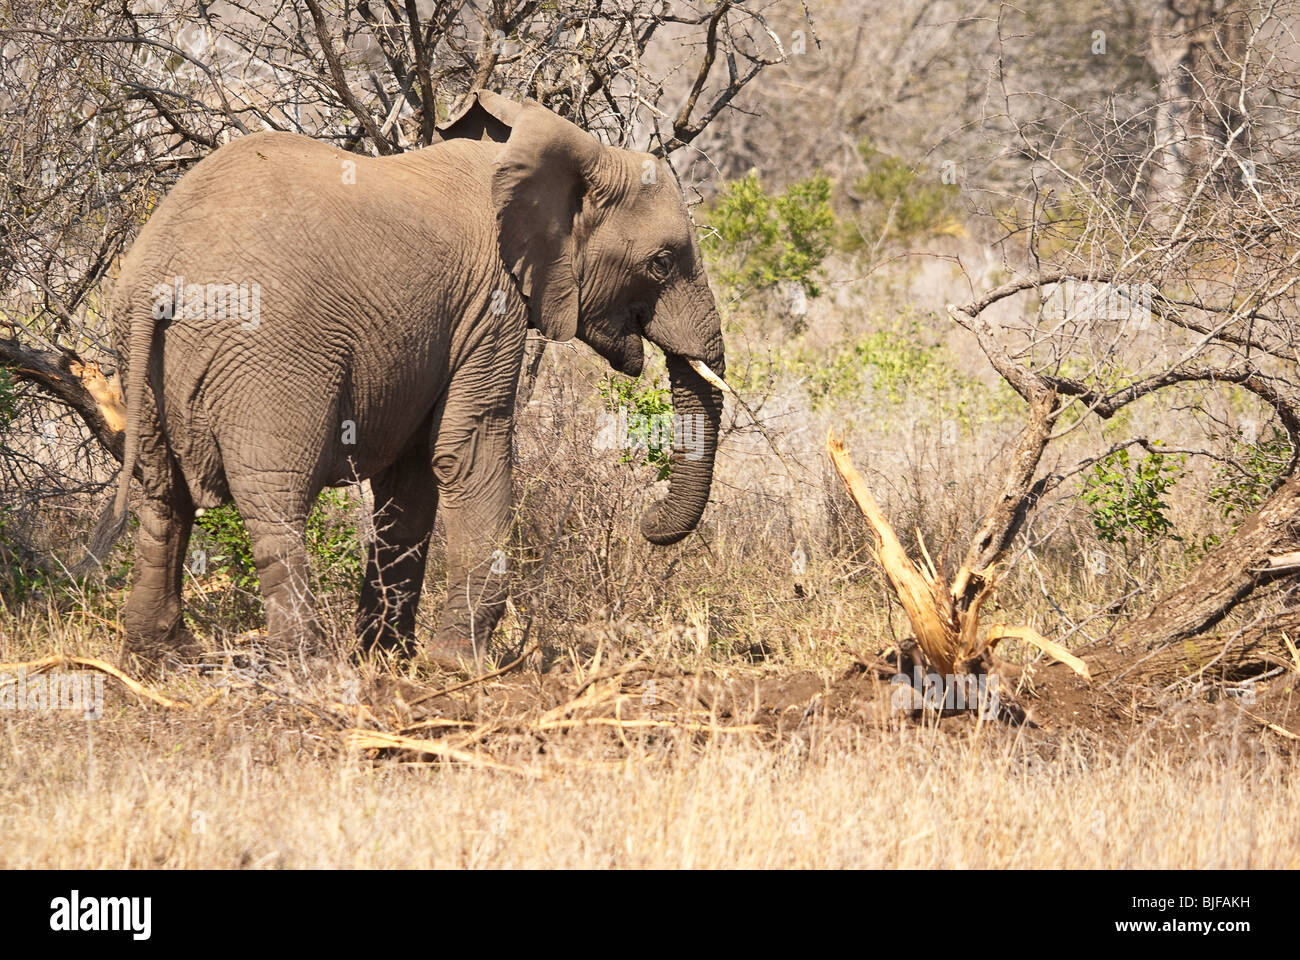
{"x":600,"y":707}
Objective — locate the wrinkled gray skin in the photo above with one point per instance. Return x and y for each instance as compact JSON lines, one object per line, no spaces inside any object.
{"x":396,"y":303}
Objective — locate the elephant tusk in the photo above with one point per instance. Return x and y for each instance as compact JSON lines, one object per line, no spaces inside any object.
{"x":702,"y":368}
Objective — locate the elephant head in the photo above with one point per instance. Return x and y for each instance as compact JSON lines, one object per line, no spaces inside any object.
{"x":601,"y":246}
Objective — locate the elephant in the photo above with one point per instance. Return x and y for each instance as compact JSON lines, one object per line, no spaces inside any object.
{"x":293,"y":316}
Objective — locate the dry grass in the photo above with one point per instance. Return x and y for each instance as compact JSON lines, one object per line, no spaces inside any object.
{"x":254,"y":780}
{"x":231,"y":791}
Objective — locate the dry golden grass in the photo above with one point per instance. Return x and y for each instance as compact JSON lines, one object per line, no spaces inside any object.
{"x":251,"y":781}
{"x":160,"y":791}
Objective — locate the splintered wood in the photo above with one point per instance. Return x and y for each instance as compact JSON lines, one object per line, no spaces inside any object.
{"x":922,"y":596}
{"x":945,"y":619}
{"x":382,"y":740}
{"x":107,"y":395}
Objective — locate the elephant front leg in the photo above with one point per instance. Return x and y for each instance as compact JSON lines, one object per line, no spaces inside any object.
{"x":405,"y":501}
{"x":472,"y":465}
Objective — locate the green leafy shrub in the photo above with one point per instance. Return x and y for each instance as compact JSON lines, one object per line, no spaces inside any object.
{"x":222,"y":545}
{"x":1126,"y":500}
{"x":758,"y":240}
{"x":641,"y":422}
{"x":897,"y":199}
{"x":1245,"y":483}
{"x":334,"y":544}
{"x":895,"y":364}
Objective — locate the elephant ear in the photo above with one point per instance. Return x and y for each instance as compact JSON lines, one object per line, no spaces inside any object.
{"x":483,"y":116}
{"x":542,"y":173}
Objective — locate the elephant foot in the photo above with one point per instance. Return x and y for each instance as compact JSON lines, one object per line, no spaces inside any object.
{"x":372,"y":639}
{"x":451,"y":652}
{"x":157,"y":653}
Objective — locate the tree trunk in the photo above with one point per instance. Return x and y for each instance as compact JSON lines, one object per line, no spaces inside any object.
{"x":1195,"y":47}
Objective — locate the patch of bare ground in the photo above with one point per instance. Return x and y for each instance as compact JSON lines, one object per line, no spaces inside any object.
{"x":597,"y":759}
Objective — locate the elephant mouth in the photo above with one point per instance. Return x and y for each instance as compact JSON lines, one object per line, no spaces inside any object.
{"x":622,"y":348}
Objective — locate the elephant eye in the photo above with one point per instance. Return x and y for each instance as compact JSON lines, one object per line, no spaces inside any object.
{"x":661,"y":265}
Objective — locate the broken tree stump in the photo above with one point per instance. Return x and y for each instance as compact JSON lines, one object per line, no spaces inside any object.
{"x":945,"y":619}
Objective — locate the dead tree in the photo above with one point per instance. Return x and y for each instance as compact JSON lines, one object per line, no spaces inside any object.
{"x":945,"y":618}
{"x":1121,"y":295}
{"x":1245,"y":561}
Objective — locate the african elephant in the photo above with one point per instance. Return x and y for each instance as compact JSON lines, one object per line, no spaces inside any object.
{"x":294,"y":316}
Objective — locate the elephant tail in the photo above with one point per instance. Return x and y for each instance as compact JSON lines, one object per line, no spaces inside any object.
{"x":112,"y":522}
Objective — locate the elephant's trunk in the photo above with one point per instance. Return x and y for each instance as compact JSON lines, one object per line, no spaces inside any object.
{"x":697,"y":409}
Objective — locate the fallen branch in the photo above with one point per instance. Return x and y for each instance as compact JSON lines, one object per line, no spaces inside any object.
{"x":439,"y":722}
{"x":378,"y":740}
{"x":66,"y":660}
{"x":1227,"y":575}
{"x":1049,"y":647}
{"x":1270,"y":725}
{"x":529,"y":651}
{"x":649,"y":724}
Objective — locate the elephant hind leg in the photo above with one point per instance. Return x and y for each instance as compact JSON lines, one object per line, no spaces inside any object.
{"x":276,"y":521}
{"x":405,"y":502}
{"x":155,"y":628}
